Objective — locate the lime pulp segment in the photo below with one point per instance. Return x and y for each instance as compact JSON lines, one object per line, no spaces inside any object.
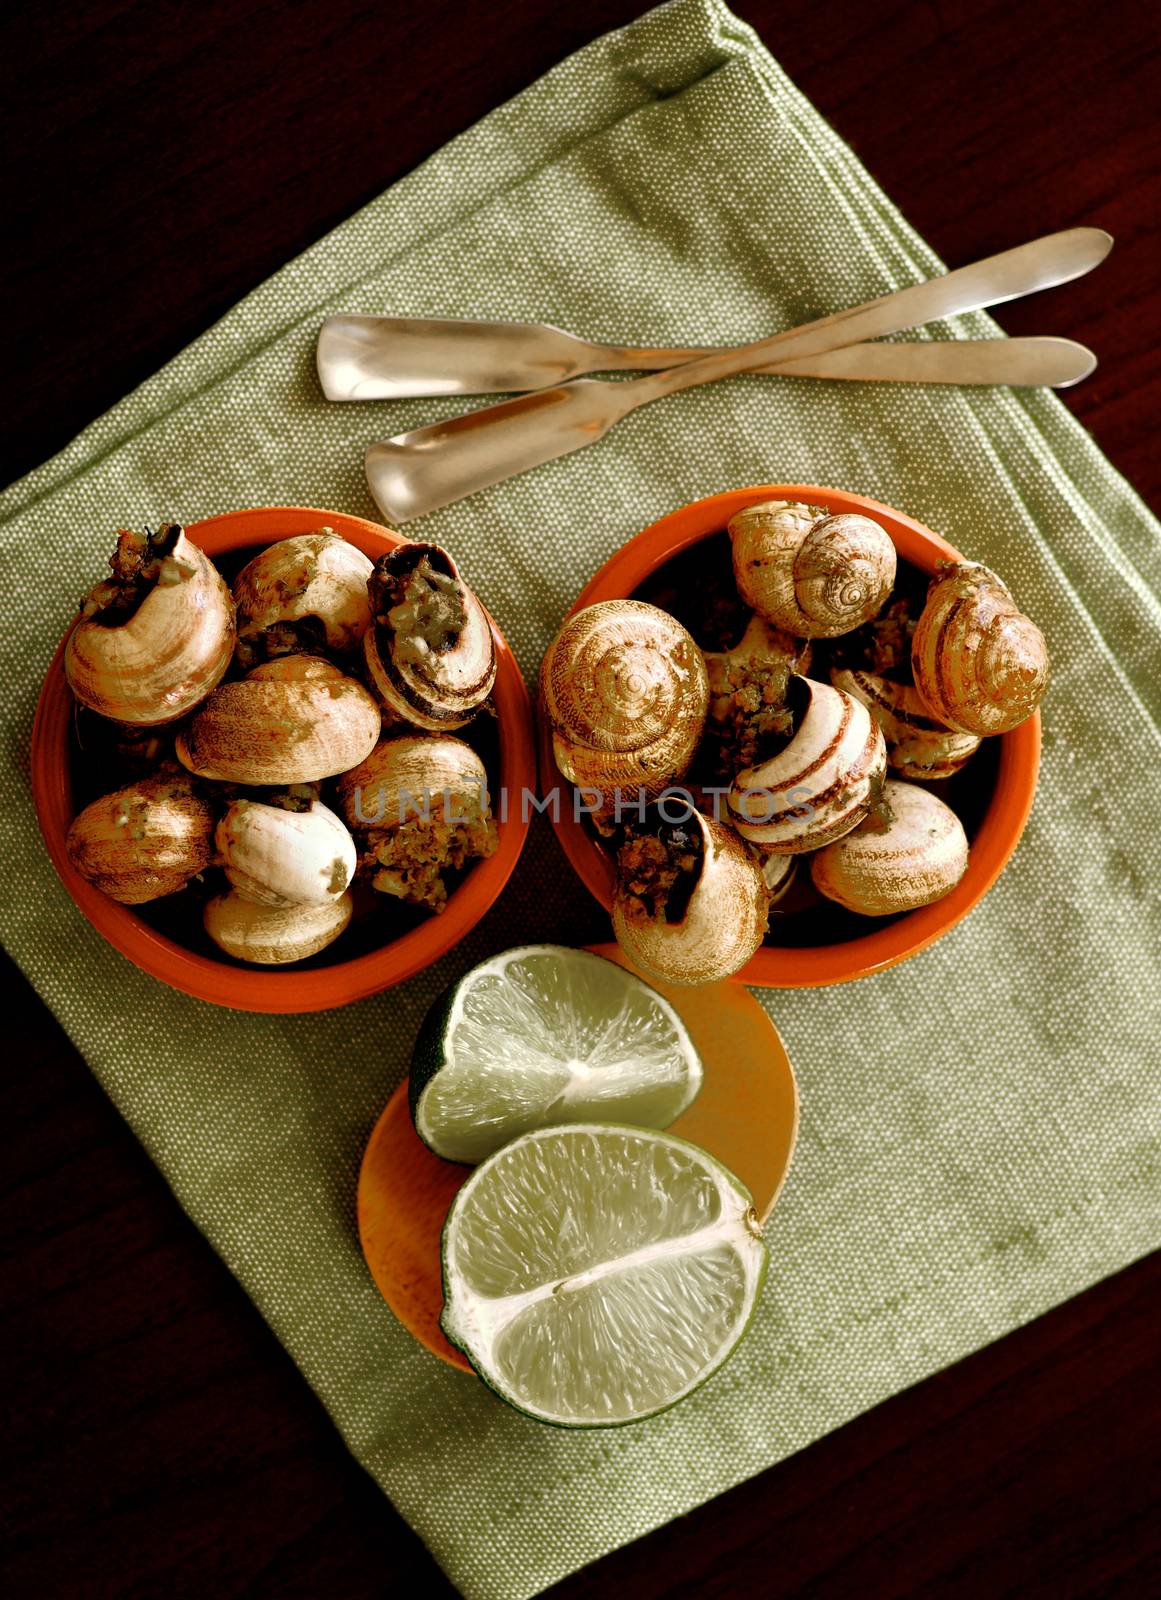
{"x":544,"y":1034}
{"x":596,"y":1274}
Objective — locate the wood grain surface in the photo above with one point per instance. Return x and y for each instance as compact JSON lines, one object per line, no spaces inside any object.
{"x":160,"y":160}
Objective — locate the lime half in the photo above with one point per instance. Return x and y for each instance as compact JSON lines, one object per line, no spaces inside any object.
{"x":543,"y":1034}
{"x":596,"y":1274}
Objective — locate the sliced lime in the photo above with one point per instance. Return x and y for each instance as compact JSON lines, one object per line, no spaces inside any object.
{"x":543,"y":1034}
{"x":596,"y":1274}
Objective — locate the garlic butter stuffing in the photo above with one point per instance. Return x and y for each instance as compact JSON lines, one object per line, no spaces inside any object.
{"x":830,"y":697}
{"x":288,"y":740}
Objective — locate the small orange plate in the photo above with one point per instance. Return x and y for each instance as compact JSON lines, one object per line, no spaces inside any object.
{"x":746,"y":1115}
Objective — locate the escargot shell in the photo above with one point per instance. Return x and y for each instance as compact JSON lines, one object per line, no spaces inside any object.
{"x":143,"y":841}
{"x":430,"y":654}
{"x":712,"y":919}
{"x":918,"y":746}
{"x":403,"y":776}
{"x":307,"y":590}
{"x":294,"y":720}
{"x":822,"y":783}
{"x":156,"y":637}
{"x":420,"y":806}
{"x":811,"y":573}
{"x":916,"y":857}
{"x":274,"y":935}
{"x":980,"y":665}
{"x":280,"y":857}
{"x":625,"y":690}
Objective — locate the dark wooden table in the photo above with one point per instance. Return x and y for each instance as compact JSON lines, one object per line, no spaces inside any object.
{"x":160,"y":160}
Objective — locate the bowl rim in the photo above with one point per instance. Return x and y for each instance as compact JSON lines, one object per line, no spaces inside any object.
{"x":287,"y":990}
{"x":781,"y":967}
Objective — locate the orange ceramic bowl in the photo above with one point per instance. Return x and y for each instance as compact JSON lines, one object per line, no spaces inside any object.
{"x":319,"y":984}
{"x":1003,"y":809}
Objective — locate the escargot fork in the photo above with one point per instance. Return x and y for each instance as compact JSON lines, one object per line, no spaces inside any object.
{"x":418,"y":472}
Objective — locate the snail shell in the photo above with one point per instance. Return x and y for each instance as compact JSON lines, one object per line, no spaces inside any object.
{"x":420,"y":804}
{"x":919,"y":856}
{"x":918,"y":746}
{"x":625,"y":690}
{"x":822,"y":783}
{"x":311,"y":583}
{"x":778,"y":874}
{"x":156,"y":637}
{"x":980,"y":665}
{"x":713,"y":918}
{"x":430,"y":654}
{"x":277,"y":857}
{"x":811,"y":573}
{"x":293,"y":720}
{"x":274,"y":935}
{"x":143,"y":841}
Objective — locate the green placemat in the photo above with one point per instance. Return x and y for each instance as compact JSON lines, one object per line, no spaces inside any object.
{"x":977,"y":1141}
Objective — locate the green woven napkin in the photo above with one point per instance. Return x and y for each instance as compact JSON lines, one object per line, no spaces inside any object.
{"x":977,"y":1140}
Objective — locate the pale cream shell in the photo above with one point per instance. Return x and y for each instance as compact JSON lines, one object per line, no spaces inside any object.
{"x":307,"y":575}
{"x":625,"y":690}
{"x":143,"y":841}
{"x":813,"y":574}
{"x":294,"y":720}
{"x":274,"y":935}
{"x":918,"y":857}
{"x":980,"y":665}
{"x":408,"y":777}
{"x":918,"y":745}
{"x":164,"y":659}
{"x":821,"y":784}
{"x":277,"y":857}
{"x":439,"y":690}
{"x":723,"y":925}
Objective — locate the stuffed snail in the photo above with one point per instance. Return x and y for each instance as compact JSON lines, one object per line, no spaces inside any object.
{"x":918,"y":744}
{"x":154,"y":639}
{"x":305,"y":593}
{"x":811,"y":573}
{"x":980,"y":665}
{"x":296,"y":719}
{"x":690,"y":904}
{"x":911,"y":852}
{"x":625,"y":691}
{"x":430,"y":655}
{"x":823,"y":780}
{"x":748,"y":691}
{"x":420,"y":808}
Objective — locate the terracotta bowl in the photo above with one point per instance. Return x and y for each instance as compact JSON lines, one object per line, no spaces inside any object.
{"x":999,"y":783}
{"x":322,"y":983}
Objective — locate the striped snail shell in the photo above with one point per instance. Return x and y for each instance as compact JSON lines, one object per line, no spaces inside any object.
{"x":917,"y":857}
{"x":625,"y":691}
{"x":918,"y":745}
{"x":156,"y":637}
{"x":822,"y":783}
{"x":980,"y":665}
{"x":693,"y":909}
{"x":429,"y":651}
{"x":811,"y":573}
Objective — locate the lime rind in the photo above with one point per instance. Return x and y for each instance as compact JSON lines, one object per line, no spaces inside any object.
{"x":677,"y":1305}
{"x":542,"y":1035}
